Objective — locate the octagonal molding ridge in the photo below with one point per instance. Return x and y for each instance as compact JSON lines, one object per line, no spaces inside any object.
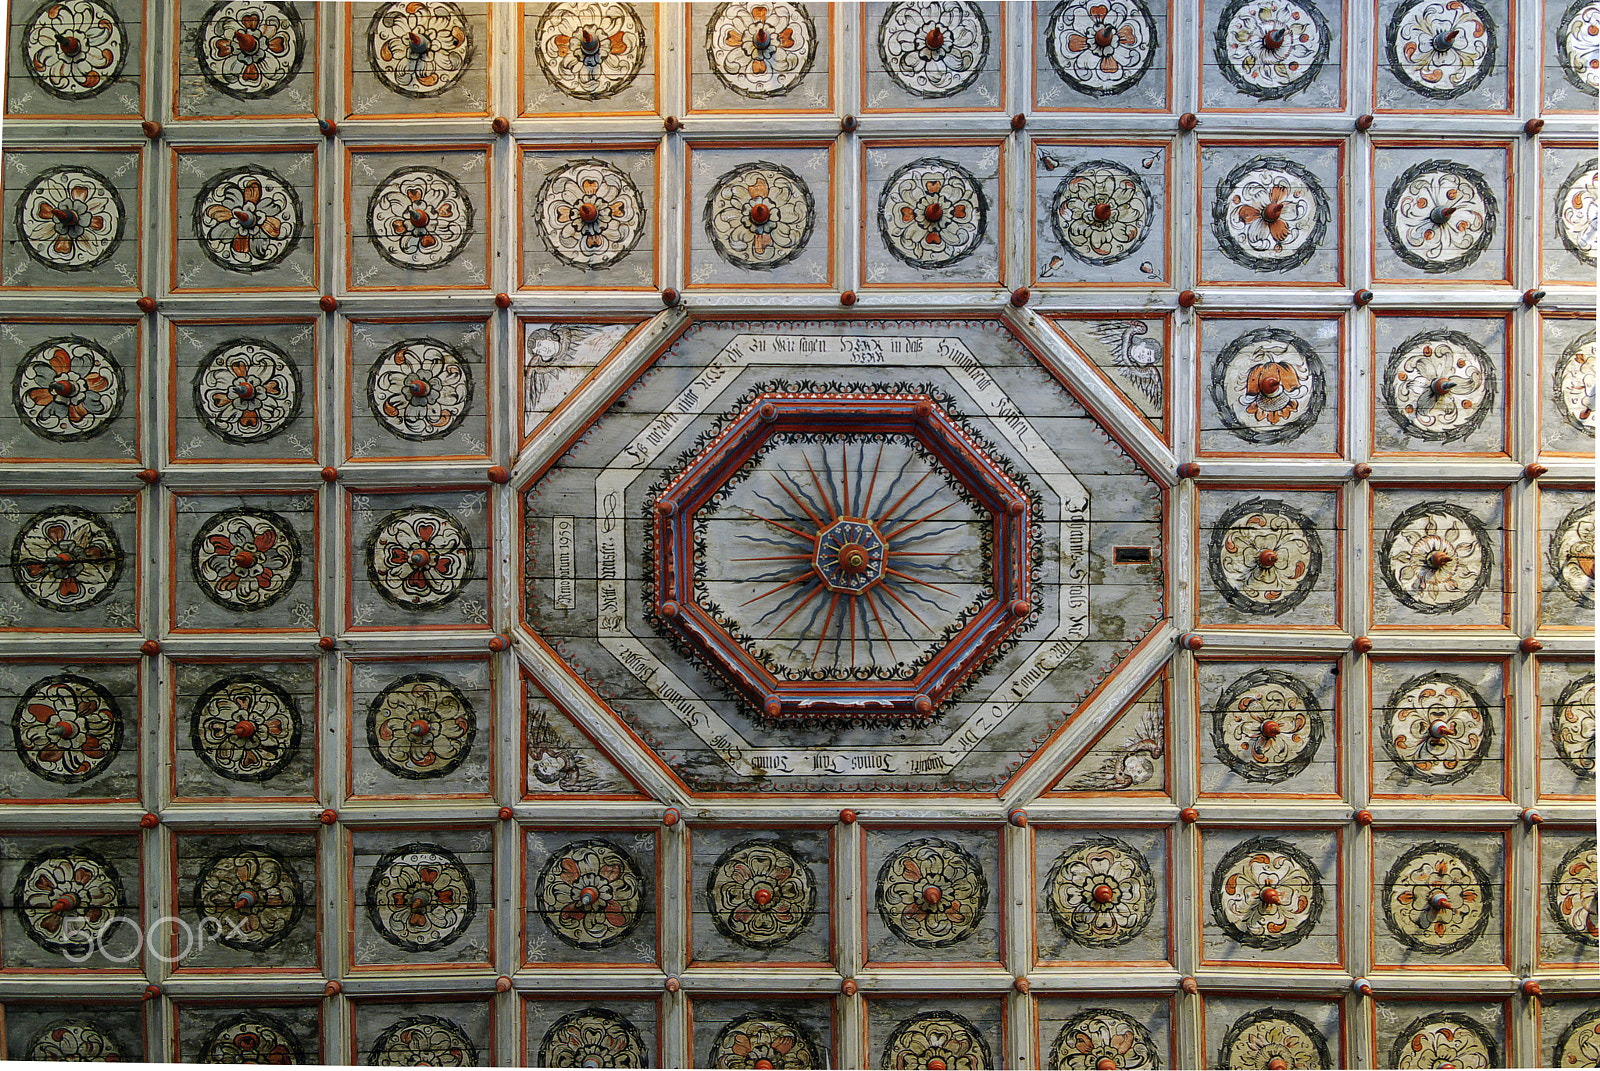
{"x":854,"y":549}
{"x":1094,"y":392}
{"x":635,"y":576}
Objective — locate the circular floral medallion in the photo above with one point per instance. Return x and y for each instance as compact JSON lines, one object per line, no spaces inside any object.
{"x":1574,"y":383}
{"x":252,"y":1038}
{"x":245,"y":728}
{"x":1101,"y":893}
{"x":74,"y":1041}
{"x":1270,"y":214}
{"x":1268,"y":386}
{"x":1437,"y":899}
{"x":1436,"y":558}
{"x":1573,"y":890}
{"x":590,"y":51}
{"x":932,"y":893}
{"x":67,"y":389}
{"x":1270,"y":49}
{"x":420,"y":389}
{"x":761,"y":50}
{"x":1274,"y":1038}
{"x":936,"y":1039}
{"x":66,"y":558}
{"x":1267,"y":726}
{"x":74,"y":49}
{"x":246,"y":391}
{"x":253,"y":894}
{"x":419,"y":557}
{"x":1572,"y":726}
{"x":67,"y":900}
{"x":1096,"y":1035}
{"x":1265,"y":557}
{"x":423,"y":1041}
{"x":1579,"y":1043}
{"x":1444,"y":1039}
{"x":246,"y":558}
{"x":1101,"y":48}
{"x":1266,"y":893}
{"x":593,"y":1037}
{"x":1439,"y":216}
{"x":67,"y":728}
{"x":1578,"y":45}
{"x":1572,"y":555}
{"x":1436,"y":728}
{"x":70,"y":218}
{"x":932,"y":213}
{"x":759,"y":216}
{"x":1439,"y":385}
{"x":419,"y":48}
{"x":1101,"y":212}
{"x":419,"y":218}
{"x":761,"y":894}
{"x":1441,"y":48}
{"x":421,"y":727}
{"x":247,"y":219}
{"x":1578,"y":211}
{"x":420,"y":897}
{"x":591,"y":894}
{"x":590,"y":214}
{"x":249,"y":49}
{"x":933,"y":48}
{"x":766,"y":1040}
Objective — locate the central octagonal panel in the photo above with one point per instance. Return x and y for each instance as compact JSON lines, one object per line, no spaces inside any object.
{"x":850,"y":555}
{"x":860,"y":556}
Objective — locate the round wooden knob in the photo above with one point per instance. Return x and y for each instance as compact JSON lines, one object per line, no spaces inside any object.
{"x":1532,"y":817}
{"x":1532,"y":297}
{"x":1267,"y":559}
{"x":1019,"y":296}
{"x":1277,"y":1063}
{"x":672,"y":985}
{"x":1534,"y":471}
{"x":328,"y":127}
{"x":1190,"y":986}
{"x":328,"y":816}
{"x":672,"y":124}
{"x":327,"y":303}
{"x":1189,"y":815}
{"x":150,"y":648}
{"x":1021,"y":985}
{"x":1438,"y":901}
{"x":499,"y":474}
{"x":506,"y":814}
{"x":1532,"y":127}
{"x":1019,"y":121}
{"x":326,"y":643}
{"x":502,"y":984}
{"x":1441,"y":386}
{"x":1188,"y":470}
{"x":847,"y":816}
{"x":1270,"y":384}
{"x":333,"y":988}
{"x":1271,"y":896}
{"x":1530,"y":988}
{"x":1363,"y":817}
{"x":669,"y":297}
{"x":147,"y":305}
{"x":1270,"y":729}
{"x":1361,"y":298}
{"x":1188,"y":121}
{"x":847,"y":298}
{"x":1439,"y":559}
{"x":670,"y":817}
{"x":148,"y":821}
{"x":1530,"y":646}
{"x":152,"y":991}
{"x":1363,"y":123}
{"x":150,"y":476}
{"x":500,"y":125}
{"x":669,"y":610}
{"x":151,"y":128}
{"x":502,"y":301}
{"x":1361,"y":644}
{"x":1018,"y":817}
{"x":498,"y":644}
{"x":1020,"y":608}
{"x":1191,"y":641}
{"x":1274,"y":38}
{"x":848,"y":987}
{"x":329,"y":474}
{"x":1361,"y":470}
{"x":1187,"y":299}
{"x":1362,"y":986}
{"x":848,"y":124}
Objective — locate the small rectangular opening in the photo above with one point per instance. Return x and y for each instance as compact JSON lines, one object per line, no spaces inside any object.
{"x":1131,"y":555}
